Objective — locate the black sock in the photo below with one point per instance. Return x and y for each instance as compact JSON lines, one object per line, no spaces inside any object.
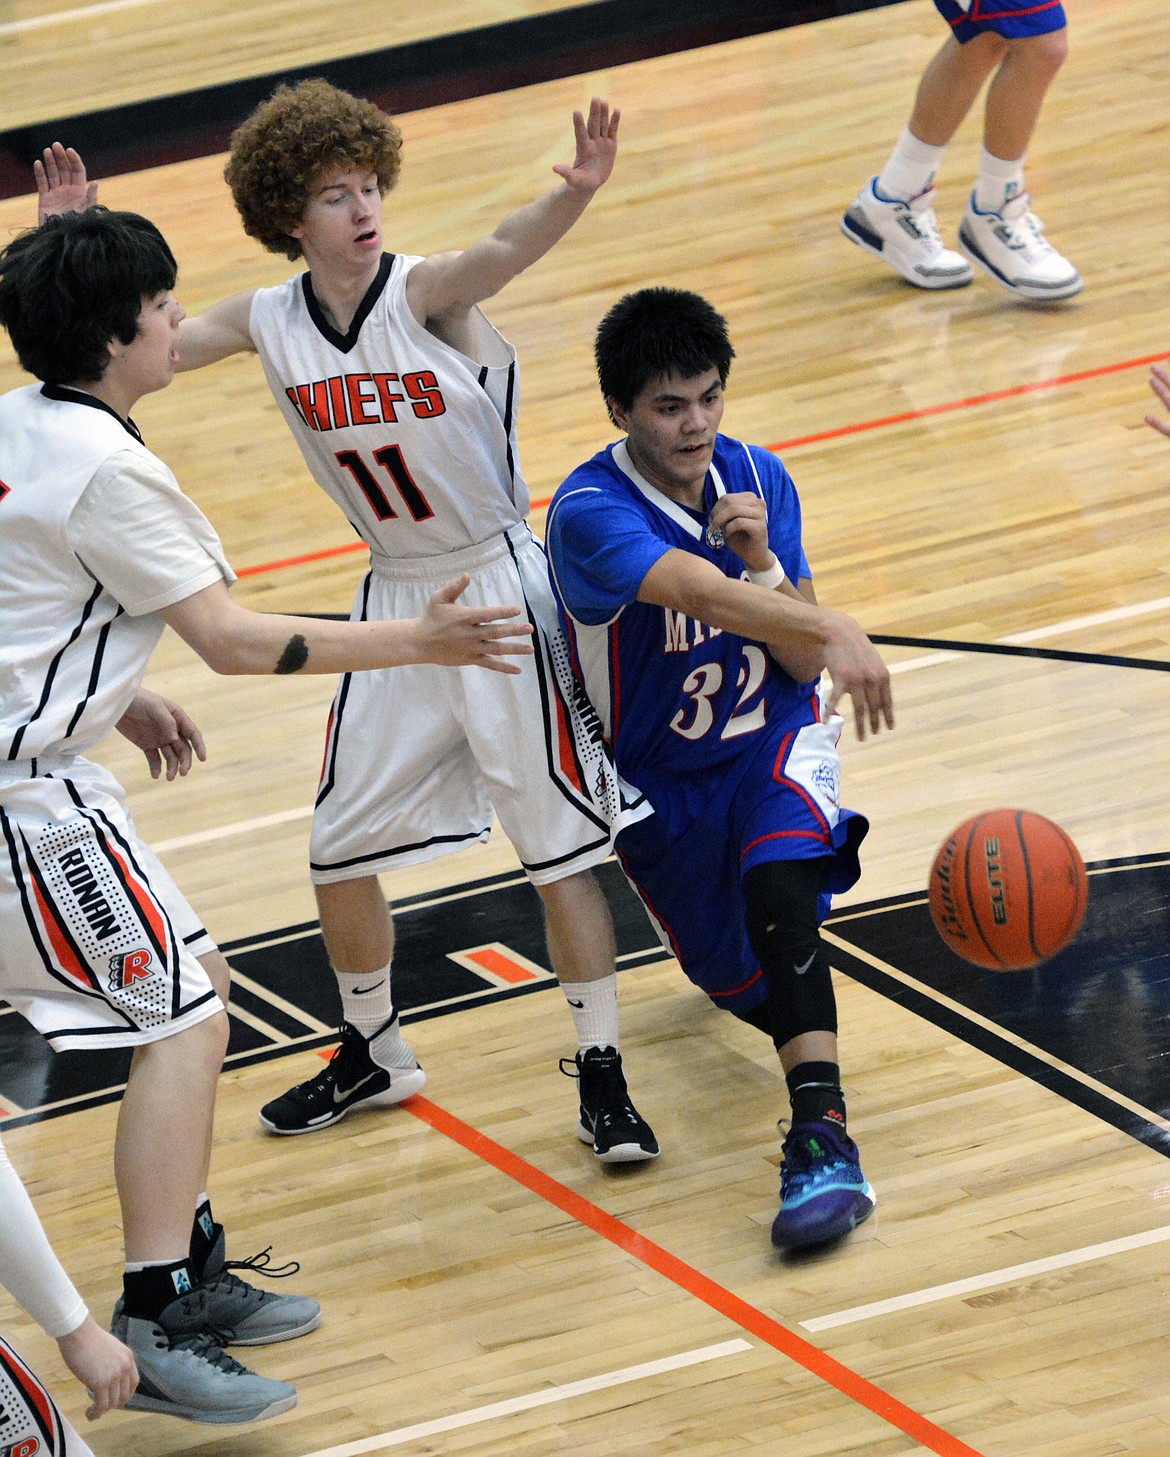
{"x":148,"y":1292}
{"x":814,"y":1089}
{"x":204,"y":1233}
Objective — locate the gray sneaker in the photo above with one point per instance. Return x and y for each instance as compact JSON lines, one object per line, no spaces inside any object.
{"x":242,"y":1315}
{"x":183,"y":1373}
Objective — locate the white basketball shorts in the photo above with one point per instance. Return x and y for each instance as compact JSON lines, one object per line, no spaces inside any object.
{"x":97,"y":946}
{"x":417,"y":757}
{"x":31,"y":1424}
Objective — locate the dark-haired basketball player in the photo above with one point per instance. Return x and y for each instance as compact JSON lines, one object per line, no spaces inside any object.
{"x":98,"y":949}
{"x":676,"y":555}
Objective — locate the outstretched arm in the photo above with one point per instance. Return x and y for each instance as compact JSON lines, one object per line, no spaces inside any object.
{"x":804,"y":638}
{"x":447,"y":283}
{"x":232,"y":639}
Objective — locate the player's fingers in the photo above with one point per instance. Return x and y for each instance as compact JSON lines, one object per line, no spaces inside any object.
{"x":91,"y":193}
{"x":1159,"y":425}
{"x":154,"y":760}
{"x":453,"y":590}
{"x":497,"y":665}
{"x":614,"y":117}
{"x":491,"y":613}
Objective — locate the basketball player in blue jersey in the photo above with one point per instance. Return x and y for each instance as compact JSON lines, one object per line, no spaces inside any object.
{"x":676,"y":557}
{"x":1024,"y":42}
{"x":403,"y":399}
{"x":98,"y":947}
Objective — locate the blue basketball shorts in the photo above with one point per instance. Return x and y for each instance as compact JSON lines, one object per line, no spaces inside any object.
{"x":687,"y":860}
{"x":1013,"y":19}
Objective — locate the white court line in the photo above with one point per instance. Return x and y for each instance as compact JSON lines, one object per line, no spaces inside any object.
{"x":551,"y":1394}
{"x":65,"y":17}
{"x":1003,"y":1033}
{"x":225,"y":832}
{"x":1009,"y":1275}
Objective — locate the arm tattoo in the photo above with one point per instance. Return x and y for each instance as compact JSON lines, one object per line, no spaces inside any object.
{"x":295,"y":655}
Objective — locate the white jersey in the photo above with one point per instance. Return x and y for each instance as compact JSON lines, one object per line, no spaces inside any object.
{"x":415,"y":441}
{"x":95,"y":538}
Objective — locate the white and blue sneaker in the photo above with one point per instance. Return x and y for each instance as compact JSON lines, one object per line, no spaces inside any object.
{"x":905,"y":235}
{"x":823,"y":1193}
{"x":1010,"y":246}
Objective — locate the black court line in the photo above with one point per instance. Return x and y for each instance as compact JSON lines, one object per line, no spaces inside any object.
{"x":404,"y":78}
{"x":1013,"y":650}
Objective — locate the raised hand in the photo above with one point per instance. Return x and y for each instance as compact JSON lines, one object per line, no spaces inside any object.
{"x":596,"y":147}
{"x":61,"y":183}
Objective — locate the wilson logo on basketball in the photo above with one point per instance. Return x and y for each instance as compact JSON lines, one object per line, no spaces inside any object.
{"x":128,"y":968}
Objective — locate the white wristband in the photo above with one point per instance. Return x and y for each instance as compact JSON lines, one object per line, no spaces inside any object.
{"x":770,"y":577}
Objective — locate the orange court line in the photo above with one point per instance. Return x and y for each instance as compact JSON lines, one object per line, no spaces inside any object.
{"x":687,"y":1278}
{"x":838,"y":431}
{"x":502,"y":966}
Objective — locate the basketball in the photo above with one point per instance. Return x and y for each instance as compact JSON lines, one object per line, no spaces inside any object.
{"x":1008,"y":889}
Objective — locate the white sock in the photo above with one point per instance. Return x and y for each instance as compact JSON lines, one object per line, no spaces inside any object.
{"x":911,"y":169}
{"x":998,"y":181}
{"x":594,"y":1006}
{"x":366,"y":1004}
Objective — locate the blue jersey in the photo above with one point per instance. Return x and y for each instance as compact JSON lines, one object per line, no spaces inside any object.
{"x":673,"y":693}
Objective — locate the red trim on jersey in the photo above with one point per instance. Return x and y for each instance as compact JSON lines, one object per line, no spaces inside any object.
{"x":785,"y":835}
{"x":34,"y":1393}
{"x":328,"y":740}
{"x":735,"y":991}
{"x":649,"y":904}
{"x":566,"y":751}
{"x":67,"y":959}
{"x":978,"y":13}
{"x":143,"y":897}
{"x":615,"y":682}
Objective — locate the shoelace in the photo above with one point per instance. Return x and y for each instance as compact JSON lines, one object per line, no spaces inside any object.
{"x":259,"y":1265}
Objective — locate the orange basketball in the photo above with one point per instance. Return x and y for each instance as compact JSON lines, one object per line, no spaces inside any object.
{"x":1008,"y":889}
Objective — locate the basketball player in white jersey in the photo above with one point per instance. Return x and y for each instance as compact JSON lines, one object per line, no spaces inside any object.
{"x":403,"y":399}
{"x":97,"y":946}
{"x":31,"y":1425}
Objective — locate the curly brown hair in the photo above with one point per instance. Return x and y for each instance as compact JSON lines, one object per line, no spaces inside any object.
{"x":298,"y":133}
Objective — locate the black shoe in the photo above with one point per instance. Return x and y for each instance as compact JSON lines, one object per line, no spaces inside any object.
{"x":352,"y":1079}
{"x":608,"y":1120}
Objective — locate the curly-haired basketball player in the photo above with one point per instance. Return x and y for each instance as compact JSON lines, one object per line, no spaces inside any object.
{"x":403,"y":399}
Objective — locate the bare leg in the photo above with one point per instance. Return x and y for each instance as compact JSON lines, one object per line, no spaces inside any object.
{"x":950,"y":84}
{"x":579,"y":929}
{"x":808,"y":1047}
{"x":356,"y":924}
{"x":162,"y":1149}
{"x":1017,"y":93}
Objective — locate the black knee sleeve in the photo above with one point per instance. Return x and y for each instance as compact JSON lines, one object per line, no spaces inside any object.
{"x":783,"y":929}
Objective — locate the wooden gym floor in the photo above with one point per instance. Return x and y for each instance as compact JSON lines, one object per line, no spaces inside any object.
{"x":976,"y":479}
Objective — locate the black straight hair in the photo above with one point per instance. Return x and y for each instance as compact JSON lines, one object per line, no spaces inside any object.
{"x":71,"y":286}
{"x":658,"y":332}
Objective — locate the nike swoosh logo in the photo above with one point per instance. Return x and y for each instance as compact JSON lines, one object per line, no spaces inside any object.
{"x":365,"y":991}
{"x":340,"y":1095}
{"x":572,"y":1003}
{"x":800,"y":970}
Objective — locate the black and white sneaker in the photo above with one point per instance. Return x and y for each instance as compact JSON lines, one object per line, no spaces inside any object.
{"x":607,"y":1119}
{"x":352,"y":1079}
